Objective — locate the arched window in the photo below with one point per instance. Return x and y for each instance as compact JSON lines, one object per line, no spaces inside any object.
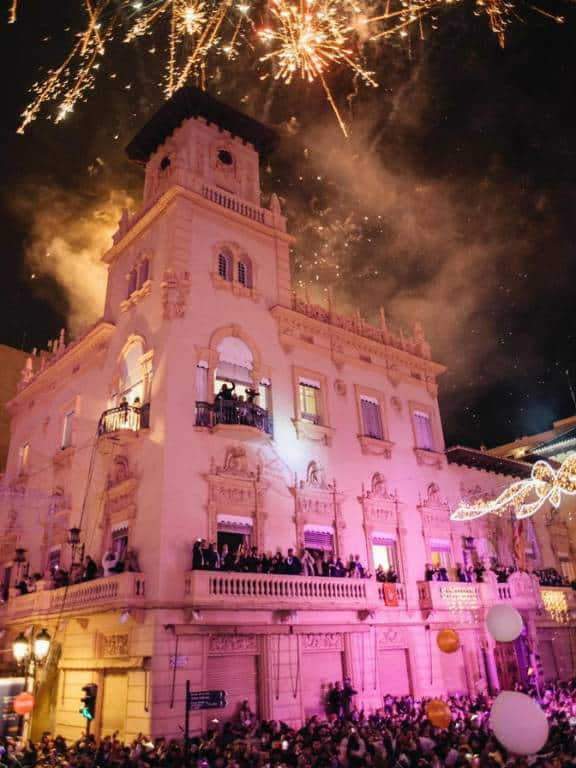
{"x":131,"y":380}
{"x":245,"y":273}
{"x":225,"y":265}
{"x":235,"y":363}
{"x":143,"y":272}
{"x":132,"y":281}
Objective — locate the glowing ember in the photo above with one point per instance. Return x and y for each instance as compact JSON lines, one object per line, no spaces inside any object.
{"x":310,"y":38}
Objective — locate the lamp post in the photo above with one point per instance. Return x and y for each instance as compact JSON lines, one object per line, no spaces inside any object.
{"x":74,"y":541}
{"x":30,"y":655}
{"x":19,"y":560}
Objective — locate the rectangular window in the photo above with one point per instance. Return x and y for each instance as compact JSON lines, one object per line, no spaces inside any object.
{"x":67,"y":429}
{"x":384,"y":552}
{"x":371,"y":417}
{"x":440,"y":554}
{"x":309,"y":395}
{"x":423,"y":429}
{"x":23,"y":456}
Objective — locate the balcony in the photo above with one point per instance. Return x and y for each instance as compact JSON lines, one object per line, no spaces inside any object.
{"x":233,"y":413}
{"x":449,"y":596}
{"x":119,"y":592}
{"x":124,"y":422}
{"x":213,"y":589}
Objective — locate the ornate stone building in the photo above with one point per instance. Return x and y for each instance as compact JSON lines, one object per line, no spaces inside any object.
{"x":121,"y":451}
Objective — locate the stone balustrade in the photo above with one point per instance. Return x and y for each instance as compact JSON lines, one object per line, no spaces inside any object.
{"x":274,"y":591}
{"x":124,"y":590}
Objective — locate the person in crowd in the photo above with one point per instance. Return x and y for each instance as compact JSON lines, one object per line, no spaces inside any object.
{"x":442,"y":574}
{"x":429,"y":572}
{"x":460,"y":573}
{"x":197,"y":555}
{"x":335,"y":700}
{"x":348,"y":694}
{"x":90,"y":569}
{"x":307,"y":562}
{"x":253,"y":561}
{"x":131,"y":562}
{"x":211,"y":558}
{"x":392,"y":576}
{"x":339,"y":568}
{"x":292,"y":565}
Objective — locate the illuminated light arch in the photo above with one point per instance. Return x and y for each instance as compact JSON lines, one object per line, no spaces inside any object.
{"x":526,"y":497}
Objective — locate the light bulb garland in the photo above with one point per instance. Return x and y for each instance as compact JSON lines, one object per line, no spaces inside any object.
{"x":526,"y":497}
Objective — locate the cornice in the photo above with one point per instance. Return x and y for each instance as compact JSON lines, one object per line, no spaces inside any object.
{"x":158,"y":206}
{"x":334,"y":334}
{"x":56,"y":368}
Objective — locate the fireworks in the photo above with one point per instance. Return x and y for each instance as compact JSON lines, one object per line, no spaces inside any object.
{"x":309,"y":39}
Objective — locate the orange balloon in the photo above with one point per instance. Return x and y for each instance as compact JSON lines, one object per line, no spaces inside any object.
{"x":448,"y":640}
{"x":23,"y":704}
{"x":438,"y":712}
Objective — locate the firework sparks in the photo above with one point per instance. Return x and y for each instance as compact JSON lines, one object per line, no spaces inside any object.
{"x":311,"y":38}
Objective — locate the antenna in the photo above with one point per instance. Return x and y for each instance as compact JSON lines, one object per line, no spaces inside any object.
{"x":571,"y":388}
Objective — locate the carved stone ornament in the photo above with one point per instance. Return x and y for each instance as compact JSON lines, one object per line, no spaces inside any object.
{"x":235,"y":463}
{"x":434,"y":510}
{"x":391,"y":637}
{"x":315,"y":475}
{"x":340,"y":387}
{"x":114,"y":646}
{"x":175,"y":287}
{"x":396,"y":404}
{"x":232,"y":644}
{"x":328,"y":641}
{"x":428,"y":458}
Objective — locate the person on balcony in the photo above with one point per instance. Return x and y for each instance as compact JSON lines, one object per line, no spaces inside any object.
{"x":211,"y":558}
{"x":197,"y":555}
{"x":307,"y":562}
{"x":460,"y":573}
{"x":90,"y":569}
{"x":292,"y":565}
{"x":253,"y":561}
{"x":131,"y":563}
{"x":109,"y":562}
{"x":339,"y":569}
{"x":391,"y":576}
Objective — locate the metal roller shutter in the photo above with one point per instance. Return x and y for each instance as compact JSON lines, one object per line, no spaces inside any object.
{"x":453,"y":672}
{"x":238,"y":676}
{"x":393,"y":672}
{"x":320,"y":670}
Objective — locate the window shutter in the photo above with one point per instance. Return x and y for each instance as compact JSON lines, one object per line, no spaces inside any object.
{"x":371,"y":420}
{"x":201,"y":383}
{"x":323,"y":540}
{"x":423,"y":431}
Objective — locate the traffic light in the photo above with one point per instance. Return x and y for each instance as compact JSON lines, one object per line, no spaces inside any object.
{"x":88,"y":709}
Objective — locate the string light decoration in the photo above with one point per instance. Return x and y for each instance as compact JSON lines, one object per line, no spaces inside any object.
{"x":556,"y":604}
{"x":526,"y":497}
{"x":312,"y":38}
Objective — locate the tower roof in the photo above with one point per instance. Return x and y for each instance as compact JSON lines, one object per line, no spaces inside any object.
{"x":190,"y":102}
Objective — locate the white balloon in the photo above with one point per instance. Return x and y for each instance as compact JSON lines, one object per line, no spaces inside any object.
{"x":518,"y":723}
{"x":504,"y":623}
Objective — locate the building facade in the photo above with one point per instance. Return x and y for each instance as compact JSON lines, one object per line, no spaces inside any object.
{"x":121,"y":449}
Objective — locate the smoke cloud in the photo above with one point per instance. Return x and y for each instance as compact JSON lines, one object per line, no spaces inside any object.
{"x":69,"y":232}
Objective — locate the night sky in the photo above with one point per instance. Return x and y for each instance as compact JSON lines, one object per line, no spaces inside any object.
{"x":453,"y":201}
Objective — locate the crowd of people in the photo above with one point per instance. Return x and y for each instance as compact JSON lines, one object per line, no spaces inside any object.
{"x":83,"y":570}
{"x":398,"y":735}
{"x":208,"y":557}
{"x":478,"y":574}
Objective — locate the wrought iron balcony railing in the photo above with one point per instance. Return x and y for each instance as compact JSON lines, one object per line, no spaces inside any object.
{"x":129,"y":418}
{"x":233,"y":412}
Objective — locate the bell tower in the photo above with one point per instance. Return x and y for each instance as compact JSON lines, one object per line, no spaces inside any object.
{"x":179,"y":145}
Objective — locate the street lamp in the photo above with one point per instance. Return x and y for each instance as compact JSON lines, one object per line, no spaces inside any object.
{"x":74,"y":541}
{"x":20,"y":648}
{"x":31,"y":655}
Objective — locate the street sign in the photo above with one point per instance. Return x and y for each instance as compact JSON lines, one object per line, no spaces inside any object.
{"x":196,"y":700}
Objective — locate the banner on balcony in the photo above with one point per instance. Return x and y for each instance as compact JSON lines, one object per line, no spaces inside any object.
{"x":390,"y":594}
